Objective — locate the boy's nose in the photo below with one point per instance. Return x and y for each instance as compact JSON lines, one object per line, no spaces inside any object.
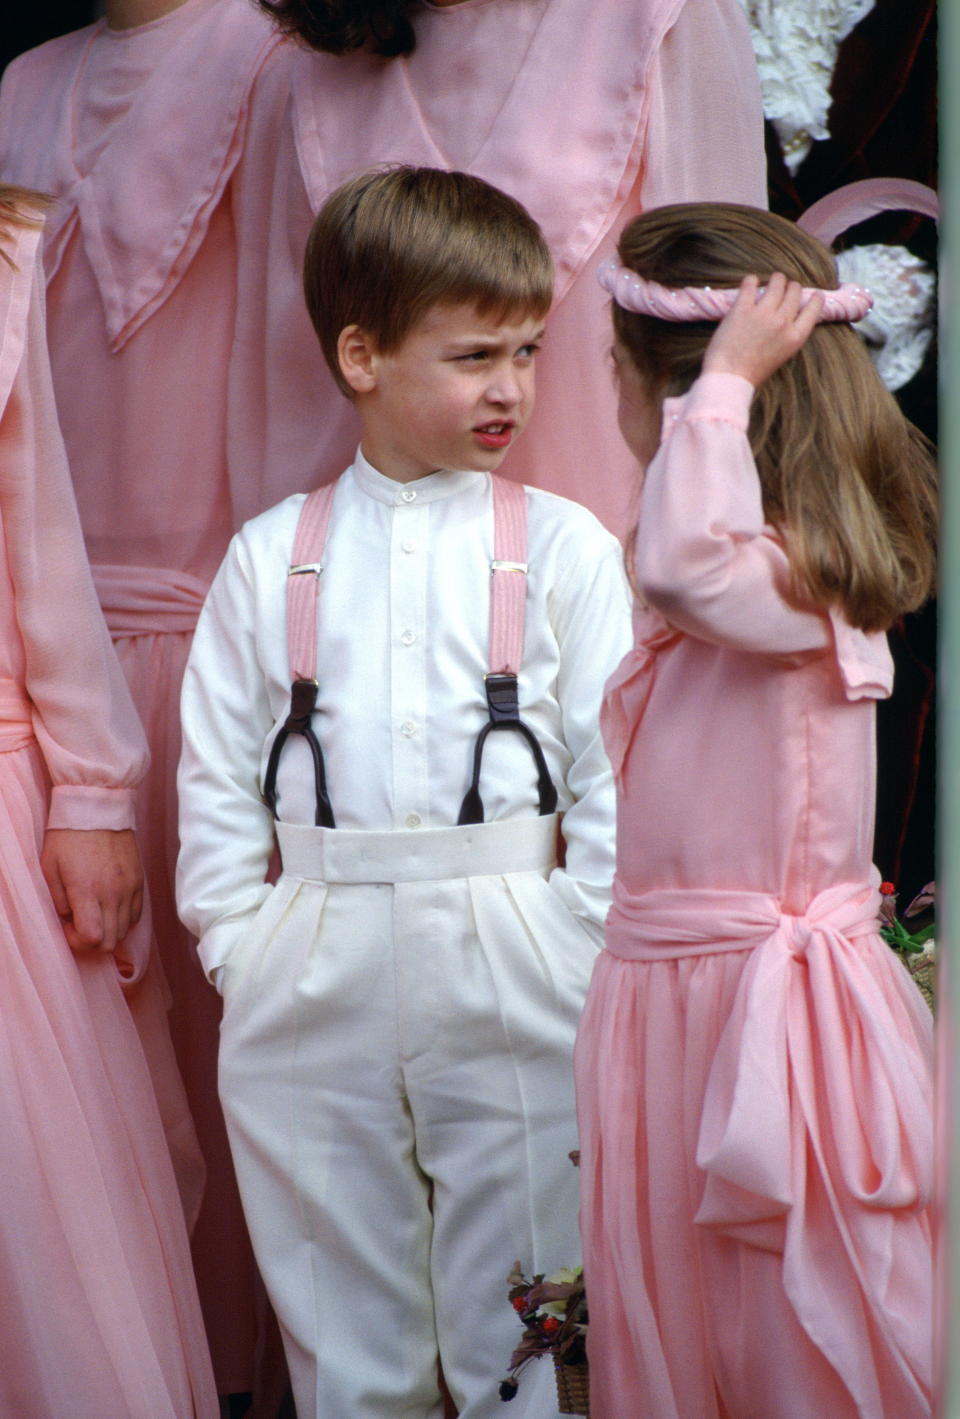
{"x":506,"y":387}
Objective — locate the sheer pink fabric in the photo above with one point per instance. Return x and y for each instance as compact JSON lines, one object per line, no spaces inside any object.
{"x":754,"y":1066}
{"x":100,"y":1307}
{"x":141,"y":264}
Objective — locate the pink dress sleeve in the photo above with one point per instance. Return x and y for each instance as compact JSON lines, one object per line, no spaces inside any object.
{"x":704,"y":557}
{"x":82,"y":713}
{"x":705,"y":125}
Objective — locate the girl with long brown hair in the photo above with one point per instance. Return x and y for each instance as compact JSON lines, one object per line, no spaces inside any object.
{"x":754,"y":1065}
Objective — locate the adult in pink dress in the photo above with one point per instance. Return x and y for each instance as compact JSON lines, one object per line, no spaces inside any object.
{"x":587,"y":113}
{"x":137,"y":128}
{"x":100,"y":1310}
{"x":754,"y":1065}
{"x":190,"y":148}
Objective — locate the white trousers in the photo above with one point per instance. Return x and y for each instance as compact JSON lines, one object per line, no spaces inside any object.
{"x":395,"y":1069}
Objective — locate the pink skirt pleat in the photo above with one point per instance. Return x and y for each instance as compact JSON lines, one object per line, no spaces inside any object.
{"x":100,"y":1315}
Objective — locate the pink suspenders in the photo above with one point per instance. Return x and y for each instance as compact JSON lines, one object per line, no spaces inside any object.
{"x":508,"y":593}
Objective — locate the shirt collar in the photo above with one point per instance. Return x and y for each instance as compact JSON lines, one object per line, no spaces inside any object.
{"x":432,"y":488}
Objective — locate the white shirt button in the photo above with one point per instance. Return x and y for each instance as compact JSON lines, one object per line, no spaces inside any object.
{"x":408,"y":495}
{"x":412,"y":820}
{"x":408,"y":728}
{"x":407,"y":637}
{"x":408,"y":544}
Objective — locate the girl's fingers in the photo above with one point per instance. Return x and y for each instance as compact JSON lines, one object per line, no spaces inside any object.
{"x":808,"y":316}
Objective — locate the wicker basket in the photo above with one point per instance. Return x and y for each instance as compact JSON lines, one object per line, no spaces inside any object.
{"x":923,"y":968}
{"x":573,"y":1388}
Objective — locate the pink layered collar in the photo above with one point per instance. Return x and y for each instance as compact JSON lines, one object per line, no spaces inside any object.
{"x":567,"y":140}
{"x":145,"y":203}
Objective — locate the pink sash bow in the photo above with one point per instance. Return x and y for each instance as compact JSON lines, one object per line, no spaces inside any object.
{"x":820,"y":1053}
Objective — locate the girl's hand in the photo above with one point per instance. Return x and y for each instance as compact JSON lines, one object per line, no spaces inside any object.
{"x":756,"y":337}
{"x":96,"y":881}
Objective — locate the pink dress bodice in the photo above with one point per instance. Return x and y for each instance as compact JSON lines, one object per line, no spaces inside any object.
{"x":776,"y":745}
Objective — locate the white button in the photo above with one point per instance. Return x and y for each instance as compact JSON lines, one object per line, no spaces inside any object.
{"x":408,"y":495}
{"x":412,"y":820}
{"x":408,"y":727}
{"x":408,"y":544}
{"x":407,"y":637}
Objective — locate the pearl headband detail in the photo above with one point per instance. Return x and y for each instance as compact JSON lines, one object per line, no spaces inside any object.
{"x":689,"y":303}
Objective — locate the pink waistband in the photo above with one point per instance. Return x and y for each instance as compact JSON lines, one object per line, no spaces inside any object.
{"x":140,"y":601}
{"x":668,"y":924}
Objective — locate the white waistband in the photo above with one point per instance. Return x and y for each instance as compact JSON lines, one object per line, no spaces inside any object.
{"x":419,"y":855}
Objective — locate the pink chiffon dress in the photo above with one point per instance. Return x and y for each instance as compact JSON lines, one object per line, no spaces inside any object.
{"x":100,"y":1310}
{"x":754,"y":1065}
{"x":140,"y":256}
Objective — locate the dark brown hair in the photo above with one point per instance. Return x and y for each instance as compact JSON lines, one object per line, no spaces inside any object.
{"x":339,"y":26}
{"x":390,"y":244}
{"x":847,"y":481}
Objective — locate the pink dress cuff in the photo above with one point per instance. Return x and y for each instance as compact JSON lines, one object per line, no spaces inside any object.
{"x":85,"y":806}
{"x":713,"y":396}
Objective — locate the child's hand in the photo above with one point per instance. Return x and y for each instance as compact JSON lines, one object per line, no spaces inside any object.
{"x":756,"y":337}
{"x":96,"y":881}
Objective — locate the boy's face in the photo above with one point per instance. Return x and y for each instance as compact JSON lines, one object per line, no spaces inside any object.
{"x":454,"y":394}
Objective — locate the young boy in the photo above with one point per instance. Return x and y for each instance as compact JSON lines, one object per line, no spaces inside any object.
{"x":400,"y":1007}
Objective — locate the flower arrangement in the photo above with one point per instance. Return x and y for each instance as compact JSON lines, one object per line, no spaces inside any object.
{"x":915,"y":947}
{"x":553,"y":1312}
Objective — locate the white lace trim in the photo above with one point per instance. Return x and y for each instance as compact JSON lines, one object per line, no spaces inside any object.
{"x":899,"y":328}
{"x":796,"y":43}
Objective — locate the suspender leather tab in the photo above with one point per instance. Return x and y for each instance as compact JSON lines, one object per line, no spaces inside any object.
{"x":503,"y":697}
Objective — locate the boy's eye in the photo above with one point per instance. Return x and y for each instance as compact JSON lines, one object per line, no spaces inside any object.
{"x":475,"y":357}
{"x":527,"y":352}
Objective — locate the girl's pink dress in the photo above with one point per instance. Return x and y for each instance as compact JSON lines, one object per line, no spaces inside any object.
{"x":100,"y":1315}
{"x":754,"y":1065}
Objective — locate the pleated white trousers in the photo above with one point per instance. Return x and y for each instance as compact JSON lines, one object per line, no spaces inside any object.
{"x":395,"y":1069}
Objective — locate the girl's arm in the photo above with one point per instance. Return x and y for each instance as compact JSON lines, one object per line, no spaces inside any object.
{"x":704,"y":556}
{"x":82,"y":713}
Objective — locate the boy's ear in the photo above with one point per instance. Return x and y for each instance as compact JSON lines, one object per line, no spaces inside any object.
{"x":357,"y":354}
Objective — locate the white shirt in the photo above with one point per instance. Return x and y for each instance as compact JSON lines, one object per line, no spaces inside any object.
{"x":403,"y":632}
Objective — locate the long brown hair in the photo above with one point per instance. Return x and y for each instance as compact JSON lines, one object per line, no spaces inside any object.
{"x":846,"y":479}
{"x":18,"y":208}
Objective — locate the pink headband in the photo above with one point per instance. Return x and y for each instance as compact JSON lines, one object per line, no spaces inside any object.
{"x":643,"y":297}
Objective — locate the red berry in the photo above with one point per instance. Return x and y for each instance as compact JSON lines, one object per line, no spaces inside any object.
{"x":887,"y":889}
{"x":519,"y":1304}
{"x":550,"y":1325}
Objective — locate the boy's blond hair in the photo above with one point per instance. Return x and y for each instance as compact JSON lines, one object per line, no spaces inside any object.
{"x":391,"y":244}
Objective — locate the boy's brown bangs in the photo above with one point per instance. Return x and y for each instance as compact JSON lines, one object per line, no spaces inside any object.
{"x":393,"y":243}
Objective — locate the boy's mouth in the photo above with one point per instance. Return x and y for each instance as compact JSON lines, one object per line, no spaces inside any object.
{"x":495,"y":435}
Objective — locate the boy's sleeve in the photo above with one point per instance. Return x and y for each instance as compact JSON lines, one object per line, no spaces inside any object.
{"x":591,"y":616}
{"x":704,"y":557}
{"x":226,"y":831}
